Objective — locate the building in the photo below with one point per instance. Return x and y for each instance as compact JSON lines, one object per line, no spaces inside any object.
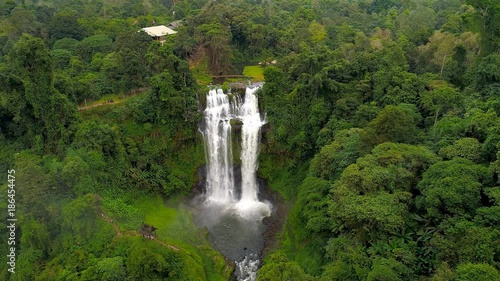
{"x":159,"y":32}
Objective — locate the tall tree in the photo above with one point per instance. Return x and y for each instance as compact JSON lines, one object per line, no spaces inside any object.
{"x":65,"y":25}
{"x":30,"y":61}
{"x":215,"y":38}
{"x":452,"y":188}
{"x":487,"y":20}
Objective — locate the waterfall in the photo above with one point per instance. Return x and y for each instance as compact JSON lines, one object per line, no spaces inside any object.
{"x":218,"y":147}
{"x":250,"y":136}
{"x":219,"y":112}
{"x":236,"y":221}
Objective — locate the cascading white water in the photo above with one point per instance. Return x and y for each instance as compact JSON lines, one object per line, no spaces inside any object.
{"x":246,"y":270}
{"x":220,"y":196}
{"x":217,"y":116}
{"x":220,"y":178}
{"x":250,"y":135}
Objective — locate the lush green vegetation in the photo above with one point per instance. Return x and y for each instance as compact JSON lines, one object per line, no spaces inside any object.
{"x":383,"y":136}
{"x":87,"y":181}
{"x":254,"y":71}
{"x":383,"y":98}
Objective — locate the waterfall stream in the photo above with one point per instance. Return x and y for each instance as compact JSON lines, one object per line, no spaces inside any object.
{"x":218,"y":146}
{"x":232,"y":211}
{"x":250,"y":136}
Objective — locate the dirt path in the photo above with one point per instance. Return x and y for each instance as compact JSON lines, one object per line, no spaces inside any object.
{"x":112,"y":102}
{"x":97,"y":105}
{"x":166,"y":245}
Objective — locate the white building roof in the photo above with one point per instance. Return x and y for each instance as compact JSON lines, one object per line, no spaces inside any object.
{"x":158,"y":31}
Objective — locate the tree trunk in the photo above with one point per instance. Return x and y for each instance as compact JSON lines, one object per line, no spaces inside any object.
{"x":442,"y":66}
{"x":436,"y":117}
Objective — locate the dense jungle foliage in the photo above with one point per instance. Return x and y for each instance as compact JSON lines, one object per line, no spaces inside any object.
{"x":384,"y":135}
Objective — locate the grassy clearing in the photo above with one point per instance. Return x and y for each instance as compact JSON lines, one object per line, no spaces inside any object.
{"x":175,"y":226}
{"x":202,"y":75}
{"x":173,"y":222}
{"x":176,"y":229}
{"x":254,"y":71}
